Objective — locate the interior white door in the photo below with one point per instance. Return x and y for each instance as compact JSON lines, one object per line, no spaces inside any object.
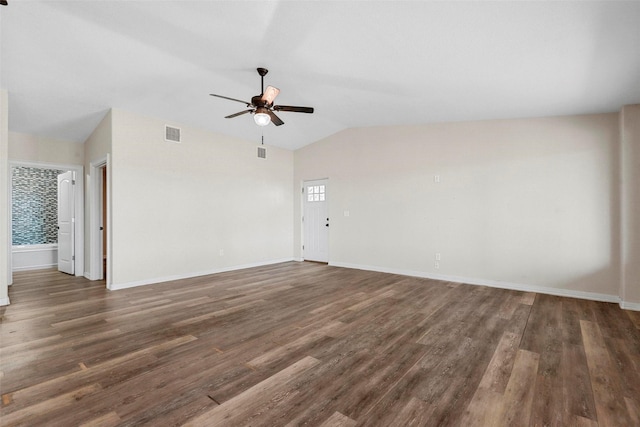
{"x":66,"y":222}
{"x":316,"y":221}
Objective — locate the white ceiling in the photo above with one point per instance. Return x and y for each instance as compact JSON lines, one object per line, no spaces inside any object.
{"x":359,"y":63}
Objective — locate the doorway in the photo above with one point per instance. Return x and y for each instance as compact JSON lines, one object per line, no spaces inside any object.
{"x":23,"y":224}
{"x":99,"y":226}
{"x":316,"y":220}
{"x":103,"y":222}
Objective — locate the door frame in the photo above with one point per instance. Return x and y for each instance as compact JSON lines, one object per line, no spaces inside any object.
{"x":95,"y":236}
{"x":302,"y":209}
{"x":78,"y":209}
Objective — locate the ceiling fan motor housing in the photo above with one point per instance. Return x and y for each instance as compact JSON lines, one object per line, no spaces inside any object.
{"x":258,"y":102}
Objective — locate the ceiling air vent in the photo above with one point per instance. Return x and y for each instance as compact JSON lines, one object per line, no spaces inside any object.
{"x":262,"y":153}
{"x":171,"y":134}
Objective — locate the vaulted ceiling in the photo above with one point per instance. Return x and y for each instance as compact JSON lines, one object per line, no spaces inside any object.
{"x":359,"y":63}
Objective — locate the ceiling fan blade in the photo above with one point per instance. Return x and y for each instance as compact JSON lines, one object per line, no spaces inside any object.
{"x":275,"y":119}
{"x":231,"y":99}
{"x":293,"y":109}
{"x":270,"y":94}
{"x":238,"y":114}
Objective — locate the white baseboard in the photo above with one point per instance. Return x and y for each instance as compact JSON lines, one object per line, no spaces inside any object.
{"x":456,"y":279}
{"x":118,"y":286}
{"x":87,"y":275}
{"x":634,"y":306}
{"x":35,"y":267}
{"x":4,"y":301}
{"x":491,"y":283}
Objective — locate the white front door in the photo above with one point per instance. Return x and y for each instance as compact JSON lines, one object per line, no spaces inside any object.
{"x":66,"y":223}
{"x":316,"y":221}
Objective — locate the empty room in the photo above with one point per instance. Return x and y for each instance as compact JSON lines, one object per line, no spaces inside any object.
{"x":319,"y":213}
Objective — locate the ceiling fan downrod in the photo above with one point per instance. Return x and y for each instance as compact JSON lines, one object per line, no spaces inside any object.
{"x":263,"y":72}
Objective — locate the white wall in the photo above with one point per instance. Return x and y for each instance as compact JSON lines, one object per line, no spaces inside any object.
{"x":630,"y":140}
{"x":98,"y":145}
{"x":176,"y":206}
{"x":531,"y":203}
{"x":5,"y":270}
{"x":534,"y":203}
{"x":31,"y":148}
{"x":96,"y":148}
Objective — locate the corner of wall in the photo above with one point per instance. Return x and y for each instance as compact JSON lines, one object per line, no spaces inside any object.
{"x":97,"y":148}
{"x":630,"y":206}
{"x":5,"y":259}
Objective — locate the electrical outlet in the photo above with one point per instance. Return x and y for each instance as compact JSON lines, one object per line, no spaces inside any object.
{"x":437,"y":256}
{"x":437,"y":265}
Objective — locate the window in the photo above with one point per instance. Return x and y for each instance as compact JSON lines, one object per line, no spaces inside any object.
{"x":315,"y":193}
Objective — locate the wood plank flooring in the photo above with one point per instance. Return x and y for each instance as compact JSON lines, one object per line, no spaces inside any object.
{"x":309,"y":344}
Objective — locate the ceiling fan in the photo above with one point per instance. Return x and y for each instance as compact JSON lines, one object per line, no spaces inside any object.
{"x":261,"y":106}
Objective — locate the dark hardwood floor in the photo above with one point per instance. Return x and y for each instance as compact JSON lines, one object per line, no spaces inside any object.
{"x":309,"y":344}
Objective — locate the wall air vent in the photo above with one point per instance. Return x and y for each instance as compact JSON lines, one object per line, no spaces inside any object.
{"x":171,"y":134}
{"x":262,"y":153}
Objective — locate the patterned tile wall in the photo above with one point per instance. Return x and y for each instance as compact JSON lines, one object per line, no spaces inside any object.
{"x":34,"y":206}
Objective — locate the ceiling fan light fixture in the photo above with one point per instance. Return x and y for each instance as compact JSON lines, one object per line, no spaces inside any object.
{"x":261,"y":117}
{"x":270,"y":94}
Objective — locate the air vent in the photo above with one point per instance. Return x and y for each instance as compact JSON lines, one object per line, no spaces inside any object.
{"x":171,"y":134}
{"x":262,"y":152}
